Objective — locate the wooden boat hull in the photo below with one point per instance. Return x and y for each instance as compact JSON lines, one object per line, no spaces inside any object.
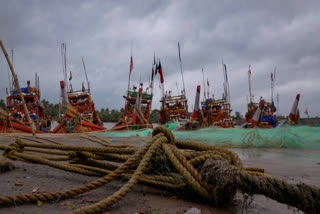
{"x":81,"y":127}
{"x":14,"y":127}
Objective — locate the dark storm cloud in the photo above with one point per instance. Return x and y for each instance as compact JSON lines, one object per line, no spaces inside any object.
{"x":264,"y":34}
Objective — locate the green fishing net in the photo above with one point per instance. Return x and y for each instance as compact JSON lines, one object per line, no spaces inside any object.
{"x":281,"y":137}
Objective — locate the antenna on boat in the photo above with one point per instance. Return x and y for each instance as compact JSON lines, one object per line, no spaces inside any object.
{"x":85,"y":71}
{"x":184,"y":90}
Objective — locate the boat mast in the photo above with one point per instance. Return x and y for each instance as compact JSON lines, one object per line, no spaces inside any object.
{"x":226,"y":82}
{"x":249,"y":79}
{"x":10,"y":86}
{"x":64,"y":70}
{"x":130,"y":69}
{"x":204,"y":86}
{"x":273,"y":76}
{"x":37,"y":95}
{"x":85,"y":72}
{"x":12,"y":82}
{"x":18,"y":89}
{"x":184,"y":90}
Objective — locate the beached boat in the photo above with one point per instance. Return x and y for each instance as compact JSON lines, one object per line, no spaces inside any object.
{"x":265,"y":117}
{"x":77,"y":108}
{"x":294,"y":117}
{"x":138,"y":105}
{"x":260,"y":114}
{"x":217,"y":113}
{"x":137,"y":110}
{"x":79,"y":114}
{"x":174,"y":109}
{"x":15,"y":120}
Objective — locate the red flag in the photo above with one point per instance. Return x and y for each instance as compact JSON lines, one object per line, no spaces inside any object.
{"x":208,"y":82}
{"x":131,"y":64}
{"x":134,"y":117}
{"x":271,"y":76}
{"x":195,"y":114}
{"x":306,"y":111}
{"x":70,"y":78}
{"x":160,"y":72}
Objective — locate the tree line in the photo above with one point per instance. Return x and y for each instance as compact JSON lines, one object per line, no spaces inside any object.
{"x":107,"y":115}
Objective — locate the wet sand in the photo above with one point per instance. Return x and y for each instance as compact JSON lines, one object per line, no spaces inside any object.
{"x":292,"y":165}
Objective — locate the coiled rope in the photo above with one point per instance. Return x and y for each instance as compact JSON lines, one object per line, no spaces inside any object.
{"x":212,"y":172}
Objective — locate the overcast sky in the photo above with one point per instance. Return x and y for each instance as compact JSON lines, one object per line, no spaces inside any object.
{"x":264,"y":34}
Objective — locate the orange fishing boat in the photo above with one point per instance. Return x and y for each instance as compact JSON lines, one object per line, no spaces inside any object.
{"x":137,"y":105}
{"x":76,"y":107}
{"x":137,"y":110}
{"x":16,"y":120}
{"x":174,"y":109}
{"x":218,"y":112}
{"x":260,"y":114}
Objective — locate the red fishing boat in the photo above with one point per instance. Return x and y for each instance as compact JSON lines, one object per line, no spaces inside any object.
{"x":77,"y":108}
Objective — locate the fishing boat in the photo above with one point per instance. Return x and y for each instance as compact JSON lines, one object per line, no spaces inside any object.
{"x":174,"y":108}
{"x":15,"y":120}
{"x":217,"y":113}
{"x":294,"y":117}
{"x":137,"y":110}
{"x":138,"y":103}
{"x":77,"y":109}
{"x":22,"y":104}
{"x":260,"y":114}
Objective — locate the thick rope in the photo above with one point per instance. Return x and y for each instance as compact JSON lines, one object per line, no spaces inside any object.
{"x":162,"y":162}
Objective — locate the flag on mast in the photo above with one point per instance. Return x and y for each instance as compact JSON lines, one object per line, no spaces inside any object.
{"x":160,"y":72}
{"x":131,"y":64}
{"x":70,"y":78}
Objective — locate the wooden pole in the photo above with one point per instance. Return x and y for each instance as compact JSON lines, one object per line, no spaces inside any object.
{"x":18,"y":88}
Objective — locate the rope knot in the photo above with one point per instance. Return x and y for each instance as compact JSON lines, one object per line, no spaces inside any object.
{"x":223,"y":176}
{"x":167,"y":133}
{"x":17,"y":146}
